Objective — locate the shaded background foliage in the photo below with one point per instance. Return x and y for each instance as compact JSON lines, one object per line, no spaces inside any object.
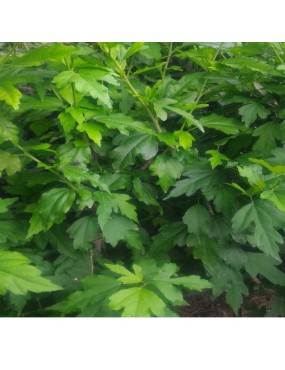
{"x":133,"y":172}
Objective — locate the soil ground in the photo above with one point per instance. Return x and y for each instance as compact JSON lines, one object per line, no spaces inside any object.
{"x":203,"y":305}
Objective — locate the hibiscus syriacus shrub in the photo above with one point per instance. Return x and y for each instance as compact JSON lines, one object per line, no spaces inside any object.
{"x":133,"y":174}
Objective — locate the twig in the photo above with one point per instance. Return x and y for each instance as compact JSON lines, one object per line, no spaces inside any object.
{"x":29,"y":155}
{"x":135,"y":93}
{"x":167,"y":60}
{"x":201,"y":93}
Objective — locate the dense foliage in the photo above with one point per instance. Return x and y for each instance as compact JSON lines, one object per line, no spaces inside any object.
{"x":134,"y":173}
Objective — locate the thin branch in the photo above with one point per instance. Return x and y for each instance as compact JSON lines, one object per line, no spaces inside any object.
{"x":29,"y":155}
{"x":202,"y":90}
{"x":136,"y":94}
{"x":9,"y":53}
{"x":167,"y":60}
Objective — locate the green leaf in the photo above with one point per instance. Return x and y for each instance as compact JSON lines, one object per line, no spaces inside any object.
{"x":18,"y":277}
{"x":118,"y":228}
{"x":39,"y":55}
{"x":168,"y":169}
{"x":259,"y":263}
{"x":132,"y":146}
{"x":160,"y":106}
{"x":214,"y":121}
{"x":9,"y":162}
{"x":5,"y":203}
{"x":96,"y":289}
{"x":198,"y":220}
{"x":145,"y":192}
{"x":67,"y":122}
{"x":192,"y":282}
{"x":185,"y":139}
{"x":12,"y":233}
{"x":234,"y":257}
{"x":84,"y":84}
{"x":92,"y":130}
{"x":122,"y":123}
{"x":151,"y":50}
{"x":267,"y":136}
{"x":136,"y":46}
{"x":217,"y":158}
{"x":250,"y":112}
{"x":277,"y":170}
{"x":8,"y":132}
{"x":189,"y":117}
{"x":10,"y":94}
{"x":244,"y":62}
{"x":78,"y":175}
{"x":276,"y":196}
{"x":128,"y":277}
{"x":137,"y":302}
{"x":84,"y":231}
{"x":169,"y":236}
{"x":226,"y":200}
{"x":230,"y":281}
{"x":260,"y":219}
{"x":196,"y":178}
{"x":51,"y":208}
{"x":114,"y":202}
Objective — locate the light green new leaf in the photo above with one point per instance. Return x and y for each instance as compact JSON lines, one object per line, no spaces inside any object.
{"x":5,"y":203}
{"x":84,"y":84}
{"x":67,"y":122}
{"x":9,"y":162}
{"x":277,"y":170}
{"x":137,"y":302}
{"x":128,"y":277}
{"x":151,"y":50}
{"x":122,"y":123}
{"x":245,"y":62}
{"x":39,"y":55}
{"x":119,"y":228}
{"x":276,"y":196}
{"x":84,"y":231}
{"x":185,"y":139}
{"x":19,"y":277}
{"x":192,"y":282}
{"x":250,"y":112}
{"x":168,"y":169}
{"x":260,"y":219}
{"x":114,"y":202}
{"x":10,"y":94}
{"x":217,"y":158}
{"x":253,"y":174}
{"x":92,"y":130}
{"x":8,"y":131}
{"x":136,"y":46}
{"x":166,"y":283}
